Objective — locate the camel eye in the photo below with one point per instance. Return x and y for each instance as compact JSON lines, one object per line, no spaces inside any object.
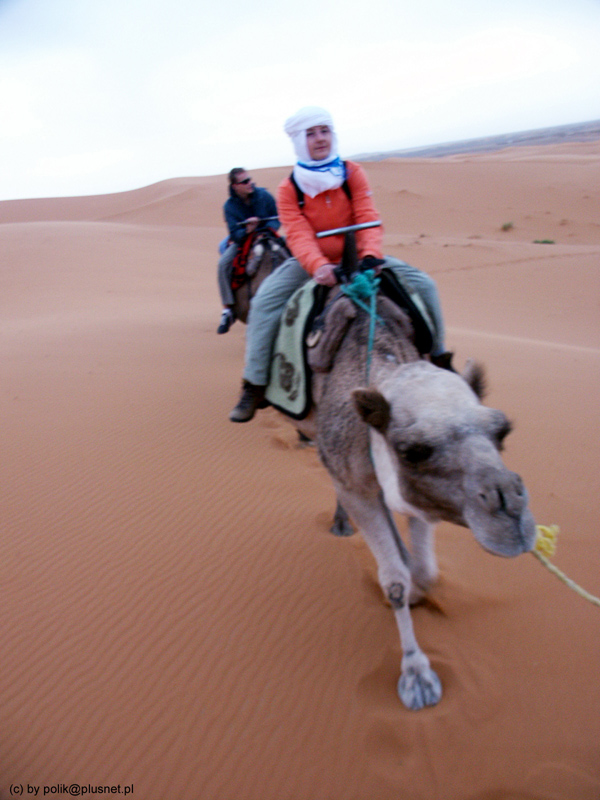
{"x":417,"y":453}
{"x":502,"y":432}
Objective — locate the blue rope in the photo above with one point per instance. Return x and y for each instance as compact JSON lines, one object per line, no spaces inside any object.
{"x":362,"y":289}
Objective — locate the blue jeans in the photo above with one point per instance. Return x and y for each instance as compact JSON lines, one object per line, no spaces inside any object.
{"x":270,"y":300}
{"x":224,"y":271}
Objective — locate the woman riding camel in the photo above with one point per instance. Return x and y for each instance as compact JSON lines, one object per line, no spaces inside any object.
{"x":336,"y":194}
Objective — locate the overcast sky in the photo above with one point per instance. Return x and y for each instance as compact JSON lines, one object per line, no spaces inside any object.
{"x":108,"y":95}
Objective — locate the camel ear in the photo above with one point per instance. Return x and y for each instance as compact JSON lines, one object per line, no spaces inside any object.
{"x":474,"y":374}
{"x":373,"y":408}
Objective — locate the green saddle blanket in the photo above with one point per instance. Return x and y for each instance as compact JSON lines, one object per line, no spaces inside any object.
{"x":289,"y":383}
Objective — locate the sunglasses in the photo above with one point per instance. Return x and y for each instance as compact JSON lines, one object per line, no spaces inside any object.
{"x":245,"y":181}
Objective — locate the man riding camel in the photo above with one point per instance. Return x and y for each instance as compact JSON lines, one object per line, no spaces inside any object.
{"x":246,"y":206}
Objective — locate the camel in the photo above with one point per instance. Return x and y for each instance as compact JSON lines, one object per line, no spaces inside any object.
{"x":417,"y":440}
{"x":267,"y":253}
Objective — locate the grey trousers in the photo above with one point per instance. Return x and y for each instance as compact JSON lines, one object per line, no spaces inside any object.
{"x":270,"y":300}
{"x":224,"y":274}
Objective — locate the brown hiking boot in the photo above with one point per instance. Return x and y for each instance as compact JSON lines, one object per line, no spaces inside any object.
{"x":252,"y":397}
{"x":444,"y":361}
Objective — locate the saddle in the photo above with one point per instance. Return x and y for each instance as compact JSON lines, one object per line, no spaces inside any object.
{"x":246,"y":260}
{"x":289,"y":387}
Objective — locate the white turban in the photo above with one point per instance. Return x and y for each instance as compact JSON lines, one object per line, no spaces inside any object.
{"x":314,"y":177}
{"x":297,"y":125}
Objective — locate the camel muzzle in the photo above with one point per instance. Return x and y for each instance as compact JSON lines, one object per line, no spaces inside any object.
{"x":497,"y":512}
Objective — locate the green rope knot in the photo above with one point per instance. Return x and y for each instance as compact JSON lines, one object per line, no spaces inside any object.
{"x":362,"y":289}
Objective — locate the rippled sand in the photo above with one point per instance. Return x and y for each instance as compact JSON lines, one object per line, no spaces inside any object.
{"x":175,"y":615}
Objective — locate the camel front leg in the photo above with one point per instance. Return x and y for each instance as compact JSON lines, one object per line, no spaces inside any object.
{"x":418,"y":686}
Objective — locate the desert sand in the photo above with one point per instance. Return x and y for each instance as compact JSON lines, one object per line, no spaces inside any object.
{"x":176,"y":617}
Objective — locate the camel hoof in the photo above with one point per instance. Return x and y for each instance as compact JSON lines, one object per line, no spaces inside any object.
{"x":341,"y":528}
{"x":419,"y":687}
{"x":341,"y":523}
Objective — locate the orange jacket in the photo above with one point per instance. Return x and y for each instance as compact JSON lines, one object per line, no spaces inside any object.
{"x":330,"y":209}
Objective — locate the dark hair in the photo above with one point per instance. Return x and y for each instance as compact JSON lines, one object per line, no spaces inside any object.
{"x":234,"y":173}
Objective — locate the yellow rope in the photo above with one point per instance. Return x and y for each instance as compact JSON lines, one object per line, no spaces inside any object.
{"x":545,"y":545}
{"x":546,"y":536}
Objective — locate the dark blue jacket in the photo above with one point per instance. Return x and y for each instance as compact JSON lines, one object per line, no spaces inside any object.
{"x":260,"y":204}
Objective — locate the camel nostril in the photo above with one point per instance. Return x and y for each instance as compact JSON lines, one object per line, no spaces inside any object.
{"x":492,"y":500}
{"x":501,"y":500}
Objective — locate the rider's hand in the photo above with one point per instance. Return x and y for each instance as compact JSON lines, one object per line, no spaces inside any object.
{"x":371,"y":262}
{"x":325,"y":275}
{"x":251,"y":224}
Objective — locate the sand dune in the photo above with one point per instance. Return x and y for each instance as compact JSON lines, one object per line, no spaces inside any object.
{"x":176,"y":616}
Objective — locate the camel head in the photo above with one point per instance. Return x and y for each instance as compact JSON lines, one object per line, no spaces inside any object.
{"x":436,"y":451}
